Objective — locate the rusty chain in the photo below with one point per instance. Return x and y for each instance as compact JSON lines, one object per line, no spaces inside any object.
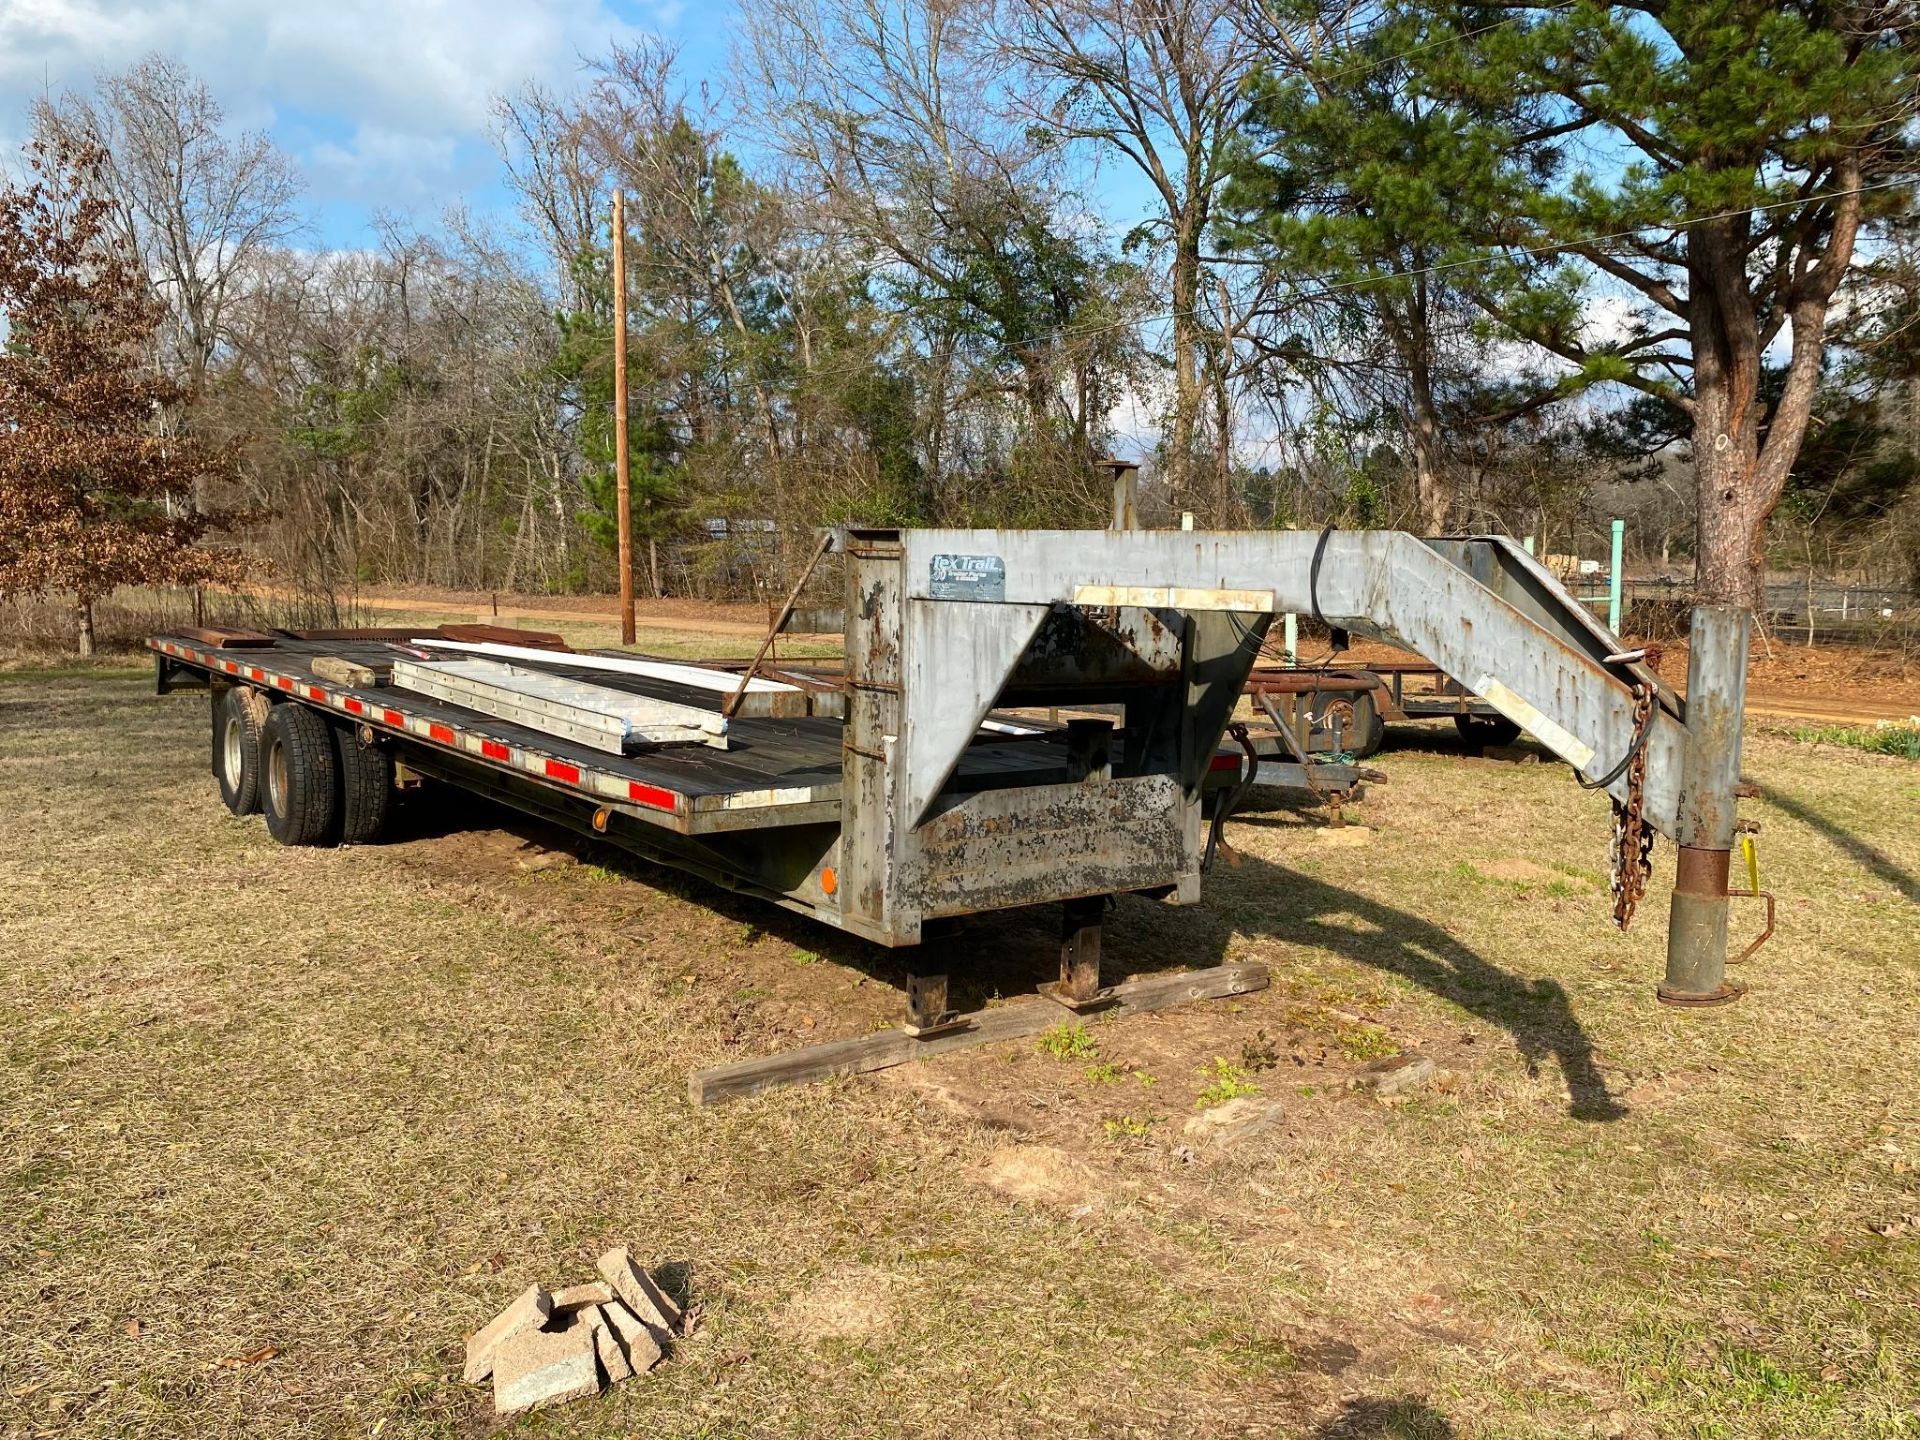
{"x":1631,"y":849}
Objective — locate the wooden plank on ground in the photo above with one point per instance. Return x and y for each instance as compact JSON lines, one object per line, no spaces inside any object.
{"x":886,"y":1048}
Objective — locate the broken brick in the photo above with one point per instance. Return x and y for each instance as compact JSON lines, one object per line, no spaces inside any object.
{"x":642,"y":1296}
{"x":614,"y":1365}
{"x":576,"y":1297}
{"x":637,"y":1343}
{"x":547,"y":1367}
{"x":532,"y":1309}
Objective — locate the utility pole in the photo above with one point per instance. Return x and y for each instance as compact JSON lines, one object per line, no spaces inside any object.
{"x":620,"y":471}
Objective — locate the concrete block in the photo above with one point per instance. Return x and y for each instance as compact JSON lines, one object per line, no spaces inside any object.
{"x":532,"y":1309}
{"x":578,"y":1297}
{"x":547,"y":1367}
{"x":1234,"y":1121}
{"x":642,"y":1296}
{"x":637,"y":1343}
{"x":1398,"y":1074}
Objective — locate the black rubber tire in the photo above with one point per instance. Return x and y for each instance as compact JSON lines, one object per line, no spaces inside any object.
{"x":236,"y":752}
{"x":1369,"y":731}
{"x":366,"y":786}
{"x":1480,"y":731}
{"x":299,"y":778}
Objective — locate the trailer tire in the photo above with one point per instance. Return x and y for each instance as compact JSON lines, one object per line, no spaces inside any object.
{"x":236,"y":751}
{"x":1368,"y":731}
{"x":366,"y":786}
{"x":300,"y":781}
{"x":1480,"y":731}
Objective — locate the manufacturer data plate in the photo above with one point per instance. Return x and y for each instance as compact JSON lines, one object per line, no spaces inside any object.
{"x":967,"y":577}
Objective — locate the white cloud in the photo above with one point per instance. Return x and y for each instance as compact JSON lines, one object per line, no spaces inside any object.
{"x":375,"y":85}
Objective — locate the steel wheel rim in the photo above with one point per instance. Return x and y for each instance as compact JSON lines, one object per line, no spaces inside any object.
{"x":277,"y":779}
{"x":230,"y":751}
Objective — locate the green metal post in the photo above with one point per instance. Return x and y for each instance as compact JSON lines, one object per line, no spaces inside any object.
{"x":1613,"y":578}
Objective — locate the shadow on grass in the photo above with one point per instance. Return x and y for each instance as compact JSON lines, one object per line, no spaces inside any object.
{"x":1881,"y":865}
{"x":1007,"y":952}
{"x":1375,"y":1417}
{"x":1296,"y":909}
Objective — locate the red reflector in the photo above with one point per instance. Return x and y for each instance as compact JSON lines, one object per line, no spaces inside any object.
{"x":256,"y":674}
{"x":283,"y":681}
{"x":1225,"y":762}
{"x":651,"y":795}
{"x":232,"y":669}
{"x":394,"y":718}
{"x":560,"y":770}
{"x":354,"y":707}
{"x":440,"y":733}
{"x":494,"y":750}
{"x":316,"y":693}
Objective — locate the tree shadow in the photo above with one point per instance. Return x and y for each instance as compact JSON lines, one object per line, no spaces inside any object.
{"x":1882,"y":866}
{"x":1378,"y":1417}
{"x":1295,"y":908}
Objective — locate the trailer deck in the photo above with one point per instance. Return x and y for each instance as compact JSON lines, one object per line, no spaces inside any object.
{"x":775,"y":771}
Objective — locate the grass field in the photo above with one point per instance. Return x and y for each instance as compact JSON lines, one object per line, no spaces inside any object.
{"x":281,"y":1126}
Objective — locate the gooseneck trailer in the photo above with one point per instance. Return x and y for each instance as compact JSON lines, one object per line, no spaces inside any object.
{"x":914,"y":791}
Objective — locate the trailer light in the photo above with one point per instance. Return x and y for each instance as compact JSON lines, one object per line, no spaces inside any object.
{"x":600,"y":819}
{"x":829,"y":880}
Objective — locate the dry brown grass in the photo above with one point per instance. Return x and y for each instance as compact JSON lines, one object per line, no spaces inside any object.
{"x":345,"y":1103}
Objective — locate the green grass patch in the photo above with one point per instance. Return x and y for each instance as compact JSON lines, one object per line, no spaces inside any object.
{"x":1069,"y":1042}
{"x":1902,"y":741}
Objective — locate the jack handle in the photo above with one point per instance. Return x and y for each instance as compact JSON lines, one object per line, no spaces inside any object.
{"x":1752,"y":892}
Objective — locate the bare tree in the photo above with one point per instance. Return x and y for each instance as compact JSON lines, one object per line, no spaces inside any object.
{"x":202,"y":208}
{"x":1159,"y":83}
{"x":560,"y":179}
{"x":887,"y":109}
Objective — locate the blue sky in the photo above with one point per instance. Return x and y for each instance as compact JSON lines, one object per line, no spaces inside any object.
{"x":381,"y":103}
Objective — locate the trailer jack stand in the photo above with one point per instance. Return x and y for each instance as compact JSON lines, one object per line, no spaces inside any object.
{"x":1079,"y":984}
{"x":1697,"y":933}
{"x":927,"y":1012}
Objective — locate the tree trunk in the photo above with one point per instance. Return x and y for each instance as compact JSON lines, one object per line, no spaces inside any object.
{"x":1730,"y":513}
{"x":1740,"y":481}
{"x":1413,"y":340}
{"x":84,"y":609}
{"x":1731,"y":517}
{"x":1186,"y":370}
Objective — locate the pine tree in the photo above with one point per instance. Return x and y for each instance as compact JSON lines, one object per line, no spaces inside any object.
{"x":1713,"y":160}
{"x":92,"y":494}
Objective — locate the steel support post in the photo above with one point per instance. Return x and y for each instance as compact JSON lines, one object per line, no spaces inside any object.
{"x":1080,"y":947}
{"x":1716,"y":706}
{"x":926,"y":1000}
